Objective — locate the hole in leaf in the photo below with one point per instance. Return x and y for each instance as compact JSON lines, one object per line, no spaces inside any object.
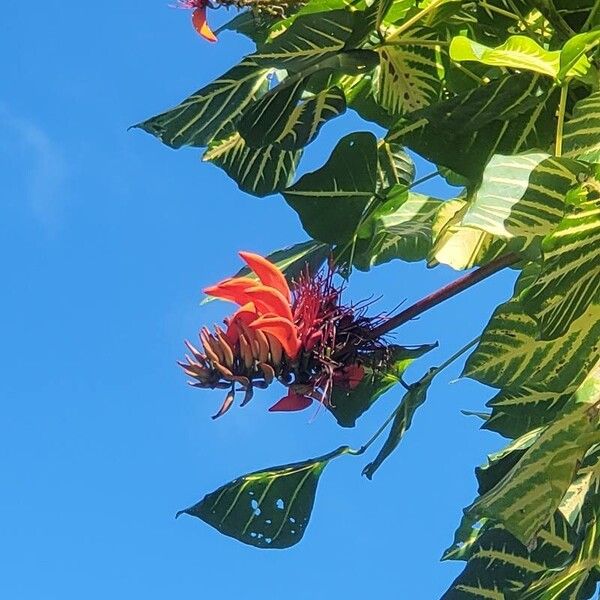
{"x":280,"y":504}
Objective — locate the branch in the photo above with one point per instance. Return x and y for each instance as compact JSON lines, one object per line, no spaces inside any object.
{"x":448,"y":291}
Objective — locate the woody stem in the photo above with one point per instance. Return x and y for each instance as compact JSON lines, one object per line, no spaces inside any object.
{"x":448,"y":291}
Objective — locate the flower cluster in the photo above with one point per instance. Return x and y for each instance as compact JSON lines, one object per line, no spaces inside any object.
{"x":272,"y":8}
{"x":302,"y":336}
{"x":199,"y":17}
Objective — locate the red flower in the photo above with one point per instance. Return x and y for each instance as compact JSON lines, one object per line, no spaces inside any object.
{"x":303,"y":337}
{"x":199,"y":17}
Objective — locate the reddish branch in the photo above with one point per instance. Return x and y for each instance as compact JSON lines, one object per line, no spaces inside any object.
{"x":448,"y":291}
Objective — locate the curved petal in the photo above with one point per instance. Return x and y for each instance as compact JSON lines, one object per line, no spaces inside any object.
{"x":269,"y":301}
{"x":283,"y":330}
{"x":267,"y":272}
{"x":292,"y":402}
{"x":232,"y":289}
{"x":201,"y":26}
{"x":244,"y":315}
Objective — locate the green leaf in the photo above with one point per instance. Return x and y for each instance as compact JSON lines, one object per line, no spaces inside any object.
{"x":330,"y":201}
{"x":499,"y":566}
{"x":413,"y":399}
{"x":518,"y":52}
{"x":258,"y":171}
{"x":291,"y":114}
{"x":199,"y":118}
{"x":510,"y":353}
{"x":348,"y":405}
{"x":408,"y":76}
{"x":522,"y":195}
{"x":250,"y":24}
{"x":509,"y":115}
{"x":360,"y":96}
{"x":501,"y":463}
{"x":569,"y":281}
{"x":458,"y":246}
{"x":287,"y":121}
{"x":581,"y":135}
{"x":401,"y":228}
{"x":310,"y":38}
{"x":584,"y":489}
{"x":527,"y":497}
{"x":395,"y":166}
{"x":266,"y":509}
{"x":573,"y":59}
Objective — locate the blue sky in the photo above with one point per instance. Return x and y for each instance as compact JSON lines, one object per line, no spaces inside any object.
{"x":107,"y":238}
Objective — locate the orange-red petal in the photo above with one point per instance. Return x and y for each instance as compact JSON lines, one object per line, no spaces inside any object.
{"x":201,"y":25}
{"x":267,"y":272}
{"x":269,"y":301}
{"x":245,"y":314}
{"x":283,"y":330}
{"x":232,"y":289}
{"x":292,"y":402}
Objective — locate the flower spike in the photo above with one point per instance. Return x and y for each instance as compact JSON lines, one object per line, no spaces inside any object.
{"x":300,"y":335}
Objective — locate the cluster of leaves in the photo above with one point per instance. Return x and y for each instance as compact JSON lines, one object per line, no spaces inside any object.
{"x":503,"y":97}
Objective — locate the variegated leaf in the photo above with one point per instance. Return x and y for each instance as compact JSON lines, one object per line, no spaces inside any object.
{"x":527,"y":497}
{"x":578,"y":579}
{"x":331,"y":200}
{"x":499,"y":566}
{"x":569,"y":282}
{"x":401,"y":228}
{"x":512,"y":114}
{"x":409,"y":78}
{"x":395,"y":166}
{"x":266,"y":509}
{"x":458,"y":246}
{"x":258,"y":171}
{"x":585,"y":488}
{"x":522,"y":195}
{"x":309,"y":38}
{"x":510,"y":354}
{"x":581,"y":136}
{"x":197,"y":120}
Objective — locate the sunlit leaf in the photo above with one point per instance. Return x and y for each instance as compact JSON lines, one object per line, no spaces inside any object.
{"x":527,"y":497}
{"x":509,"y":115}
{"x":258,"y":171}
{"x":522,"y":195}
{"x":408,"y":76}
{"x":401,"y":228}
{"x":197,"y":120}
{"x":518,"y":52}
{"x":569,"y":282}
{"x":581,"y":136}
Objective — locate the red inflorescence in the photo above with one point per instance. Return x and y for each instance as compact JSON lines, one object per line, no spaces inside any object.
{"x":302,"y":336}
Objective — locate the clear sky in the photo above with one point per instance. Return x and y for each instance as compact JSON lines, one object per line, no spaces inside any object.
{"x":106,"y":239}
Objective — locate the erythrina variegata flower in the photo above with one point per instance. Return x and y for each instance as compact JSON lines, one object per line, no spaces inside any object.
{"x":199,"y":17}
{"x":301,"y":336}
